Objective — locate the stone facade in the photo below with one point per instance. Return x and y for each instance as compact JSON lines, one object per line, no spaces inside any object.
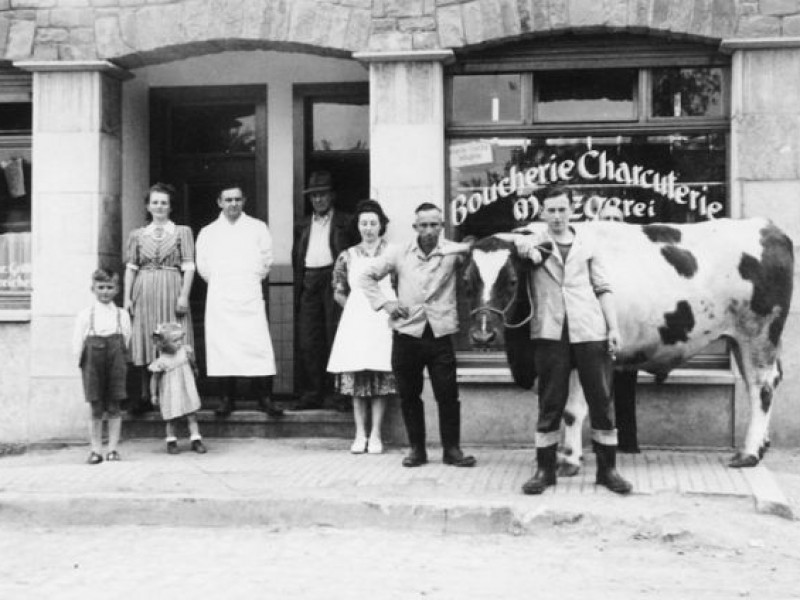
{"x":406,"y":103}
{"x":136,"y":32}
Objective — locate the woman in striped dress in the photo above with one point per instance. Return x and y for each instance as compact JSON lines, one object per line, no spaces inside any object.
{"x":158,"y":278}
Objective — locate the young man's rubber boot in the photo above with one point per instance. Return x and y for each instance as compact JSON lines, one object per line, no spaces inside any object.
{"x":607,"y":474}
{"x":545,"y":474}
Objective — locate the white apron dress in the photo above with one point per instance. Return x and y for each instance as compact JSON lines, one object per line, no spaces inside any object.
{"x":364,"y":339}
{"x":233,"y":259}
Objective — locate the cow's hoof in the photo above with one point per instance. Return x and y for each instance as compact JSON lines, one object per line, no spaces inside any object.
{"x":740,"y":461}
{"x":566,"y":469}
{"x":763,"y":450}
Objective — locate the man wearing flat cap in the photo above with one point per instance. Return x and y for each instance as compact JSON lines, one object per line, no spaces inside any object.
{"x":318,"y":240}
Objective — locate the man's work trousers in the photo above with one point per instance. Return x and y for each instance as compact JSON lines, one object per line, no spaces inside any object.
{"x":317,"y":320}
{"x":410,"y":356}
{"x":554,"y":360}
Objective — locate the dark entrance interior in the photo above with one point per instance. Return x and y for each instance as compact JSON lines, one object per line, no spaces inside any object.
{"x":331,"y":133}
{"x":202,"y":139}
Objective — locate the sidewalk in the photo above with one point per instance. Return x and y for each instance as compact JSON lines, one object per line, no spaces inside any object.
{"x":290,"y":482}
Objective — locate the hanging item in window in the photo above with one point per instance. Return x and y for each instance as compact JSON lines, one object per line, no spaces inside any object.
{"x":15,"y":177}
{"x":15,"y":262}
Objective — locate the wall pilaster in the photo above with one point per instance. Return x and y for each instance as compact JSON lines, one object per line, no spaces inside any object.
{"x":765,"y":181}
{"x":77,"y":225}
{"x":406,"y":133}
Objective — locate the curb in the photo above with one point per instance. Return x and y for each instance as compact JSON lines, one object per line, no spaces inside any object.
{"x":769,"y":497}
{"x":210,"y":511}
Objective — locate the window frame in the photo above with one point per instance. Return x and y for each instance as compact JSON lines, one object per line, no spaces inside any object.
{"x":17,"y":87}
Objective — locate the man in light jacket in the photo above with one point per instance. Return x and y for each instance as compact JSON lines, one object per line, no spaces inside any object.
{"x":575,"y":327}
{"x":234,"y":254}
{"x":424,"y":318}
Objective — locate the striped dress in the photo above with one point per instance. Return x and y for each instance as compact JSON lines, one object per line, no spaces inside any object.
{"x":158,"y":262}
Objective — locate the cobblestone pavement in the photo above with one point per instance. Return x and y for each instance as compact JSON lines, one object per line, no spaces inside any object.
{"x":245,"y":466}
{"x":574,"y":561}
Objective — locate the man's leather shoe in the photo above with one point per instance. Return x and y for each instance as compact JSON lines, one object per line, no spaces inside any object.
{"x":415,"y":458}
{"x":456,"y":458}
{"x":266,"y":405}
{"x":225,"y":407}
{"x":308,"y":402}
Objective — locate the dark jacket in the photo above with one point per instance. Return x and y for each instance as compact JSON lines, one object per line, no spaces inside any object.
{"x":343,"y":235}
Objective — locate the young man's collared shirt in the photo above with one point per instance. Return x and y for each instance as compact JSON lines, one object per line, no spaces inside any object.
{"x":426,"y":287}
{"x":570,"y":290}
{"x":319,"y":248}
{"x":105,"y":323}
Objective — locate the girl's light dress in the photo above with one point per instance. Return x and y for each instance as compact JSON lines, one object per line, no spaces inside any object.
{"x":177,"y":391}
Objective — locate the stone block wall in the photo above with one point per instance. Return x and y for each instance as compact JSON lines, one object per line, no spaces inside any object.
{"x":136,"y":32}
{"x":766,"y":178}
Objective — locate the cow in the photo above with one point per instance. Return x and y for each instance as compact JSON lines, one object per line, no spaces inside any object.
{"x":676,"y":287}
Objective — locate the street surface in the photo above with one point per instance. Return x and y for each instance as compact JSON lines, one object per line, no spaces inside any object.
{"x":662,"y":545}
{"x":706,"y":549}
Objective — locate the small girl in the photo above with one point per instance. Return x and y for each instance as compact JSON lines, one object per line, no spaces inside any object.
{"x":172,"y":385}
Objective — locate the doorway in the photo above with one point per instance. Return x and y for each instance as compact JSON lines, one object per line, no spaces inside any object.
{"x":331,"y":133}
{"x":202,"y":139}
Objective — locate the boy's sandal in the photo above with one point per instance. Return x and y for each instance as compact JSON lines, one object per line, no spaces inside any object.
{"x":112,"y":456}
{"x":94,"y":459}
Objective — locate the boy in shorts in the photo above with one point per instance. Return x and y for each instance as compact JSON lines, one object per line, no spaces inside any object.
{"x":101,"y":338}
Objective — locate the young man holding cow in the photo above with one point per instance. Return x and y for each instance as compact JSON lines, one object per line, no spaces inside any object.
{"x":575,"y":327}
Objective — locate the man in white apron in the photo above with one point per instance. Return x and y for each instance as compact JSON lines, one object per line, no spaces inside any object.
{"x":234,"y":254}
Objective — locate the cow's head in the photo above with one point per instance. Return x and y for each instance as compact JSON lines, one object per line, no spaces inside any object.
{"x":496,"y":283}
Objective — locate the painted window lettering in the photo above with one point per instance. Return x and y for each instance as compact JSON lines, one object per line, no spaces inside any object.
{"x":590,"y":166}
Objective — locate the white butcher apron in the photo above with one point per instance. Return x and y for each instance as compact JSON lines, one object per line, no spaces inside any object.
{"x":238,"y":342}
{"x":363,"y":339}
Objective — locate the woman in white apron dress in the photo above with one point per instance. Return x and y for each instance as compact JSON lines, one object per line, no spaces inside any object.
{"x":362,"y":349}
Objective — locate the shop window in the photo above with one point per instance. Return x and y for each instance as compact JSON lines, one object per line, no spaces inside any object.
{"x":487,"y":98}
{"x":688,"y":92}
{"x":15,"y":191}
{"x":645,"y":130}
{"x":586,"y":95}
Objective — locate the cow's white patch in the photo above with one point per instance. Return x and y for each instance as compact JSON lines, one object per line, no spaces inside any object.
{"x":489,"y":265}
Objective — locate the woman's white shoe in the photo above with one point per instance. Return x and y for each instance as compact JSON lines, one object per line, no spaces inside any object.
{"x":375,"y":446}
{"x":359,"y":445}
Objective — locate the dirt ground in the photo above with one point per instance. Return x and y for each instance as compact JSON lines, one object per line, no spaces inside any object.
{"x":702,"y":549}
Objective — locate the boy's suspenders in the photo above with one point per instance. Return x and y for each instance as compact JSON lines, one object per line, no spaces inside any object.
{"x":91,"y":322}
